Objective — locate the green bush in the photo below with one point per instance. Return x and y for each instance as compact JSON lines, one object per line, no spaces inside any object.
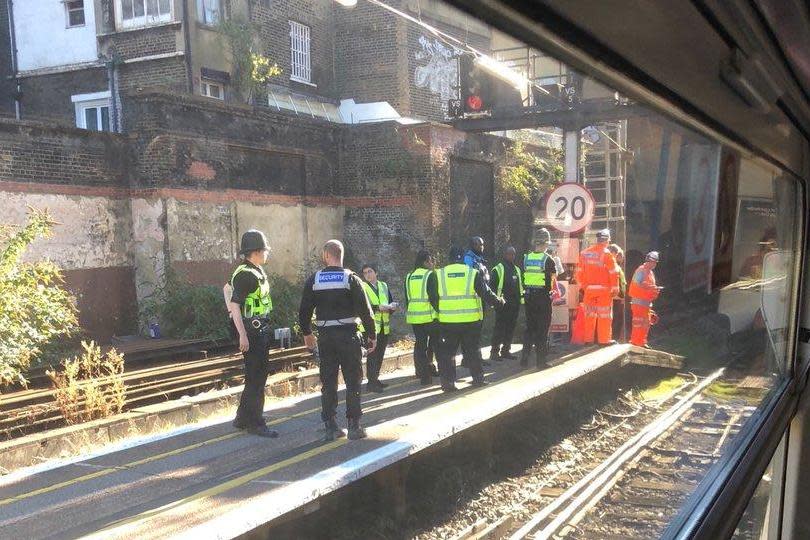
{"x":187,"y":311}
{"x":35,"y":308}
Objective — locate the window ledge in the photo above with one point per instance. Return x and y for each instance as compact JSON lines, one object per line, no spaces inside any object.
{"x":141,"y":28}
{"x":302,"y":81}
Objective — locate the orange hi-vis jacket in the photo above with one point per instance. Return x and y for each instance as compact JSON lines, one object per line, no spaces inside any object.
{"x":597,"y":269}
{"x":642,"y":287}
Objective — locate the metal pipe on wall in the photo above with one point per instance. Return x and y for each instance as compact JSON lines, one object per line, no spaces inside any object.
{"x":13,"y":40}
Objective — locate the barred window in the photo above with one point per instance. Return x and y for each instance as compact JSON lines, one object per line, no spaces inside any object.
{"x":299,"y":53}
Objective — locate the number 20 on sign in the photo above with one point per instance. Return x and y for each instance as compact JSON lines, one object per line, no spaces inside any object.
{"x":569,"y":208}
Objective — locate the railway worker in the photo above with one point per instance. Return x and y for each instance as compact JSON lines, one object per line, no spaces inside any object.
{"x":250,"y":306}
{"x":336,"y":296}
{"x":539,"y":280}
{"x":599,"y":281}
{"x":618,"y":302}
{"x":507,"y":282}
{"x":457,"y":293}
{"x":421,"y":316}
{"x":382,"y":304}
{"x":643,"y":291}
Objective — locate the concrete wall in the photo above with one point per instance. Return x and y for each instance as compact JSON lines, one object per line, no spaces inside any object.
{"x":45,"y":41}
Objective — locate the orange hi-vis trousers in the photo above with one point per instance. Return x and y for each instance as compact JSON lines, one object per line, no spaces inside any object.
{"x":598,"y":314}
{"x":641,"y":324}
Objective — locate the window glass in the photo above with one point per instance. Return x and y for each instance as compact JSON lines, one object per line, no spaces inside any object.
{"x":75,"y":12}
{"x":91,"y":118}
{"x":104,"y":113}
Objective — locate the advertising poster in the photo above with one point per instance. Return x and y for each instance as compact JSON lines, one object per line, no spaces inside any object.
{"x":560,"y":319}
{"x":704,"y":164}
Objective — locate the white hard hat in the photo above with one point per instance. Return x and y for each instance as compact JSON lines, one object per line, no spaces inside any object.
{"x":652,"y":256}
{"x":604,"y":234}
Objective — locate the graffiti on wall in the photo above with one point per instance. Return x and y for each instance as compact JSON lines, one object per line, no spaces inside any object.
{"x":438,"y":71}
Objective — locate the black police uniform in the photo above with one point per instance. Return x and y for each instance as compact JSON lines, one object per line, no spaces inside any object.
{"x":505,"y":316}
{"x":337,"y":298}
{"x":251,"y":404}
{"x":538,"y":316}
{"x":468,"y":335}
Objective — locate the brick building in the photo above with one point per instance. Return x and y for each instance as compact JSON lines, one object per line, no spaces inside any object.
{"x":76,"y":60}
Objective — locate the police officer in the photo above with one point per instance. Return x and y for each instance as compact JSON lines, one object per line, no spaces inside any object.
{"x":506,"y":281}
{"x":382,"y":304}
{"x":250,"y":306}
{"x":539,"y":279}
{"x":337,"y":298}
{"x":422,"y":317}
{"x":456,"y":292}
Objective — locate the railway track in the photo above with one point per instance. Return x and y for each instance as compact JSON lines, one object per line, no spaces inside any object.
{"x":634,"y":492}
{"x":32,"y":410}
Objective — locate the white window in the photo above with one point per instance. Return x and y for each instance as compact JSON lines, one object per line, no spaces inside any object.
{"x":212,"y":90}
{"x":134,"y":13}
{"x":299,"y":53}
{"x":209,"y":11}
{"x":74,"y":10}
{"x":93,"y":111}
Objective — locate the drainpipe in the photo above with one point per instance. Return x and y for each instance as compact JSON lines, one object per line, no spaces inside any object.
{"x":13,"y":43}
{"x":115,"y":99}
{"x":187,"y":42}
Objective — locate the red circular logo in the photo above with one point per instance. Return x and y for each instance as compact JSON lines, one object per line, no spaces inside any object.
{"x":474,"y":103}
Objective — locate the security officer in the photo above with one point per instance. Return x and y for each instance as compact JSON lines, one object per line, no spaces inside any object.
{"x":337,"y":298}
{"x":422,"y":317}
{"x":474,"y":258}
{"x":250,"y":306}
{"x":506,"y":281}
{"x":539,"y":279}
{"x":382,"y":304}
{"x":456,"y":293}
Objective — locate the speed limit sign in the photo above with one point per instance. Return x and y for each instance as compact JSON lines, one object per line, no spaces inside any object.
{"x":569,"y":208}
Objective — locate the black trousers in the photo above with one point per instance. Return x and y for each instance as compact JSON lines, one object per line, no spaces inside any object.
{"x":427,"y":339}
{"x":340,"y":349}
{"x":505,"y":319}
{"x":618,"y":319}
{"x":375,"y":359}
{"x":468,"y":335}
{"x":538,"y":320}
{"x":251,"y":403}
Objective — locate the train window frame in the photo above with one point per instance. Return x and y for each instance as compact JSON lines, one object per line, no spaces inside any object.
{"x":718,"y":504}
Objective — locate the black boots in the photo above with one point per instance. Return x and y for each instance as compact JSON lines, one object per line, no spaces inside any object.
{"x":524,"y":357}
{"x":333,"y":431}
{"x":375,"y":387}
{"x":355,"y":430}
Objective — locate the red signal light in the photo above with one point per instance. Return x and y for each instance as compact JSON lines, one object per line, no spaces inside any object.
{"x":474,"y":103}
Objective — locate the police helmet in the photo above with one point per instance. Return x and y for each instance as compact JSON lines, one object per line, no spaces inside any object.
{"x":603,"y":235}
{"x":253,"y":240}
{"x":652,"y":256}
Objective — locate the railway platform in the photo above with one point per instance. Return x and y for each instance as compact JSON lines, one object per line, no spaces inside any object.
{"x":218,"y":482}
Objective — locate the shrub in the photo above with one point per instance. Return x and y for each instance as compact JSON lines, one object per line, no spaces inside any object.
{"x":187,"y":311}
{"x":90,"y":386}
{"x":35,"y":308}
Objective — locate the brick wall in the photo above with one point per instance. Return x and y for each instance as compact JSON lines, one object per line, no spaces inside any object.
{"x":142,"y":42}
{"x":273,"y":21}
{"x":166,"y":73}
{"x":370,"y":55}
{"x":37,"y":154}
{"x":47,"y":97}
{"x":193,"y":141}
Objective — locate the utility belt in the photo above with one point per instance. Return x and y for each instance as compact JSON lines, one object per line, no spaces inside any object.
{"x":256,"y":324}
{"x":348,"y":323}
